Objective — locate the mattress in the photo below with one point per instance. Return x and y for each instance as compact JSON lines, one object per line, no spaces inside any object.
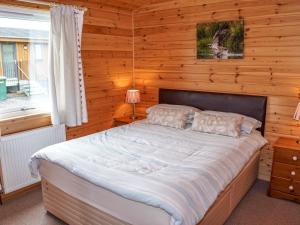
{"x":126,"y":210}
{"x":177,"y":174}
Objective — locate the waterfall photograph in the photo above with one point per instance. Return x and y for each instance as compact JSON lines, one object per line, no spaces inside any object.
{"x":220,"y":40}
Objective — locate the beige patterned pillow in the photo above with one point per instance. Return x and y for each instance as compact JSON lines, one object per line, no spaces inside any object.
{"x":248,"y":123}
{"x":168,"y":117}
{"x":217,"y":124}
{"x":186,"y":109}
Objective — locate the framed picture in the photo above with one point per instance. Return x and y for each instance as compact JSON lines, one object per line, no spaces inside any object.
{"x":220,"y":40}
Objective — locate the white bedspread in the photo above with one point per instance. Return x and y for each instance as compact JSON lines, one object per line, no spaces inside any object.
{"x":179,"y":171}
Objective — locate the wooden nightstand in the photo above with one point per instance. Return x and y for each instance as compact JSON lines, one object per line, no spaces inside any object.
{"x":285,"y":180}
{"x":120,"y":121}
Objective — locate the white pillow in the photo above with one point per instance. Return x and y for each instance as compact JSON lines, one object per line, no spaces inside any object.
{"x":188,"y":110}
{"x":167,"y":117}
{"x":248,"y":125}
{"x":217,"y":124}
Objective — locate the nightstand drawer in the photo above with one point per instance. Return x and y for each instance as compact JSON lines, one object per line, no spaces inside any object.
{"x":285,"y":185}
{"x":120,"y":121}
{"x":287,"y":156}
{"x":279,"y":194}
{"x":286,"y":171}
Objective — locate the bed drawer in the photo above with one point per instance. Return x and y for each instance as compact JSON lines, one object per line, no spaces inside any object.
{"x":287,"y":156}
{"x":287,"y":171}
{"x":285,"y":186}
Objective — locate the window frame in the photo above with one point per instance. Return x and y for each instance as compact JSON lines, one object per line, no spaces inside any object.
{"x":24,"y":122}
{"x":29,"y":118}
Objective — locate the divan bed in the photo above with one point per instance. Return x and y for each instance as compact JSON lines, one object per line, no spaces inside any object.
{"x":77,"y":192}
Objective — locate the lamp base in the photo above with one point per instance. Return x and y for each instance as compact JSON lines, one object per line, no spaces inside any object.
{"x":133,"y":117}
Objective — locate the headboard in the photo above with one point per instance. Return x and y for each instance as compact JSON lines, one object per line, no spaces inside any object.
{"x":248,"y":105}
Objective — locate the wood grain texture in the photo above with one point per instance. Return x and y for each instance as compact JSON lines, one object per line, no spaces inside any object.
{"x":165,"y":57}
{"x":286,"y":171}
{"x":285,"y":182}
{"x":20,"y":192}
{"x":74,"y":211}
{"x":24,"y":123}
{"x":120,"y":121}
{"x":107,"y":61}
{"x":283,"y":195}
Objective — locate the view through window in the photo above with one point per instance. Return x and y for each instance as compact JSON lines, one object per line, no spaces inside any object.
{"x":24,"y":37}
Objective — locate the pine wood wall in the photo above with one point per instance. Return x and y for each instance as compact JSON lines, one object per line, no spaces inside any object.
{"x":165,"y":56}
{"x":107,"y":60}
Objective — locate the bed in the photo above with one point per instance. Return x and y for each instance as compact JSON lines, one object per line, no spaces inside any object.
{"x":79,"y":192}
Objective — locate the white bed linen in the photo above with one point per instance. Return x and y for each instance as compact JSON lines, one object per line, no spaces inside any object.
{"x":179,"y":171}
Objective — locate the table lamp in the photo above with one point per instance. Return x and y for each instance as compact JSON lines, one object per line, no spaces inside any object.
{"x":133,"y":97}
{"x":297,"y":116}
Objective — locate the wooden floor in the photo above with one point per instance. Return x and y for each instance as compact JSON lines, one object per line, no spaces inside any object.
{"x":255,"y":209}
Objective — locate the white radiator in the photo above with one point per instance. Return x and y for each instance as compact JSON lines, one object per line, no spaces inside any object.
{"x":16,"y":150}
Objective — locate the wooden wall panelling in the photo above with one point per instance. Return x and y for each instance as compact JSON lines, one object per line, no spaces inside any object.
{"x":165,"y":56}
{"x":115,"y":5}
{"x":107,"y":60}
{"x":165,"y":50}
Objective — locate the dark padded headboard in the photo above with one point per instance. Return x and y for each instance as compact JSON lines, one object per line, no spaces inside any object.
{"x":248,"y":105}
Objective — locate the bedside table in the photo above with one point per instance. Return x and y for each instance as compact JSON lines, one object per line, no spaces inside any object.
{"x":285,"y":180}
{"x":120,"y":121}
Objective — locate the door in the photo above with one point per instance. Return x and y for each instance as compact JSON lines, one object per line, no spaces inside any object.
{"x":9,"y":61}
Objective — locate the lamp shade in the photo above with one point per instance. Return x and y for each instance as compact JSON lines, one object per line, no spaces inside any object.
{"x":297,"y":113}
{"x":133,"y":96}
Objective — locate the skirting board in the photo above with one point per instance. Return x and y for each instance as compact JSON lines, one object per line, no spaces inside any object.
{"x":18,"y":193}
{"x":76,"y":212}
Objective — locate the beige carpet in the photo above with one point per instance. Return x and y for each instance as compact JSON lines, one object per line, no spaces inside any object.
{"x":255,"y":209}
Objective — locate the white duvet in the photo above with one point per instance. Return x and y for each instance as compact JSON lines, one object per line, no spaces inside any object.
{"x":179,"y":171}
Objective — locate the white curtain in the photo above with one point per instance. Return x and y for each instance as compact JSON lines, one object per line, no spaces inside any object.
{"x":67,"y":90}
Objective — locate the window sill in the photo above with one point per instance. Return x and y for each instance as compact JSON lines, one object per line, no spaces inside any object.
{"x":23,"y":121}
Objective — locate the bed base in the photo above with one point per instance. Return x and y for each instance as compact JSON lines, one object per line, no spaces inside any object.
{"x":76,"y":212}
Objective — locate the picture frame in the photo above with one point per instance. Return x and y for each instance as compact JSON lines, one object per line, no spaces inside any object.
{"x":220,"y":40}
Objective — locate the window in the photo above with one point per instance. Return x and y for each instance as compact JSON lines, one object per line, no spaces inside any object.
{"x":23,"y":60}
{"x":38,"y":52}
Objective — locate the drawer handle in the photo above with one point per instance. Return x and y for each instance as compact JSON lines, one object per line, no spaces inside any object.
{"x":293,"y":173}
{"x":291,"y":187}
{"x":295,"y":158}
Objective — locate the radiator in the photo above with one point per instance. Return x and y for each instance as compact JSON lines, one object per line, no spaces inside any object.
{"x":15,"y":153}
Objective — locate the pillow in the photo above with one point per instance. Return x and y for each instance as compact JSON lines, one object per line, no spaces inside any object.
{"x":168,"y":117}
{"x":189,"y":110}
{"x":217,"y":124}
{"x":248,"y":125}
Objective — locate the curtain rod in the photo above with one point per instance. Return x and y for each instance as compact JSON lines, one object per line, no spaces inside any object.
{"x":49,"y":4}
